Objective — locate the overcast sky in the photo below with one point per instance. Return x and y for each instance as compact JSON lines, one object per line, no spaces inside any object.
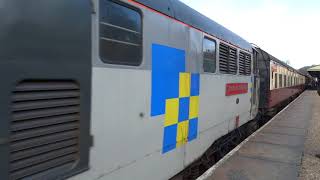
{"x":287,"y":29}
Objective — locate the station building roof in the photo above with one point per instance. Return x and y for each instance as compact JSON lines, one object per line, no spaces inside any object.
{"x":315,"y":71}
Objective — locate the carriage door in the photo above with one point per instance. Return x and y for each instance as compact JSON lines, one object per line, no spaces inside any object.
{"x":255,"y":87}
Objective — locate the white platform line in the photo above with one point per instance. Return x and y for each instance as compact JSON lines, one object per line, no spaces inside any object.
{"x":210,"y":171}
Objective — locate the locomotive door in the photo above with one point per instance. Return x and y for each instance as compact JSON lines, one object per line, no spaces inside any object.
{"x":195,"y":42}
{"x":255,"y":87}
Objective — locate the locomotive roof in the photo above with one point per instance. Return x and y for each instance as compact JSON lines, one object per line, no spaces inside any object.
{"x":183,"y":13}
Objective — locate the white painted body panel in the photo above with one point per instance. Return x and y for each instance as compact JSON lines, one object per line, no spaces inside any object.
{"x":217,"y":113}
{"x":126,"y":145}
{"x":127,"y":141}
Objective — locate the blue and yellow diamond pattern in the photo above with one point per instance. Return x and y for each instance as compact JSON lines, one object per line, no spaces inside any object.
{"x":175,"y":94}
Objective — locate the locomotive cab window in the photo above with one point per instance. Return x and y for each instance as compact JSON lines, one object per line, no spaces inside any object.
{"x":120,"y":34}
{"x":209,"y":55}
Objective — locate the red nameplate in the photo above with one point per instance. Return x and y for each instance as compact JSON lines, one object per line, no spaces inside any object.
{"x":236,"y":88}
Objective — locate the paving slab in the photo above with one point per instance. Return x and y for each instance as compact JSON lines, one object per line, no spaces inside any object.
{"x":237,"y":169}
{"x":279,"y":139}
{"x":274,"y":152}
{"x":271,"y":152}
{"x":284,"y":130}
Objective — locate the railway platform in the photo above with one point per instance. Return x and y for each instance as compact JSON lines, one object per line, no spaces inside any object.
{"x":276,"y":150}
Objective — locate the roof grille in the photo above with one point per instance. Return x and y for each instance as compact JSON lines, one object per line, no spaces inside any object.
{"x":44,"y":127}
{"x":228,"y":59}
{"x":244,"y":63}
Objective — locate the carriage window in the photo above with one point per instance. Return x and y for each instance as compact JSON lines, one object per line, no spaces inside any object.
{"x":289,"y":84}
{"x":276,"y":80}
{"x":285,"y":81}
{"x":209,"y":55}
{"x":280,"y":81}
{"x":289,"y":80}
{"x":120,"y":34}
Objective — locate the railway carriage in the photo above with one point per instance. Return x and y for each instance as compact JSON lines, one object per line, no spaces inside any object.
{"x":119,"y":89}
{"x":279,"y":82}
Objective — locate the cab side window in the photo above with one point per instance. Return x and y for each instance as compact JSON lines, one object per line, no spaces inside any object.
{"x":209,"y":55}
{"x":120,"y":33}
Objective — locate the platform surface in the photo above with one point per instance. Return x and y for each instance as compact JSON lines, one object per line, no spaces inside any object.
{"x":275,"y":152}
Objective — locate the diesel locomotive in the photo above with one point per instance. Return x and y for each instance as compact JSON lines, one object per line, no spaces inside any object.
{"x":127,"y":89}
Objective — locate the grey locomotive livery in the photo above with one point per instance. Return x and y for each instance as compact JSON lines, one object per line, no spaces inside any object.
{"x":120,"y":89}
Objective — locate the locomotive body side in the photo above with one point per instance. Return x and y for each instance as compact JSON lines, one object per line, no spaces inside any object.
{"x":129,"y":134}
{"x":117,"y":89}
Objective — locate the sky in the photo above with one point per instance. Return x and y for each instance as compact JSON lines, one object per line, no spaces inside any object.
{"x":287,"y":29}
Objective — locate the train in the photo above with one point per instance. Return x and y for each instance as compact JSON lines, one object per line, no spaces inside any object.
{"x":279,"y":82}
{"x":127,"y":89}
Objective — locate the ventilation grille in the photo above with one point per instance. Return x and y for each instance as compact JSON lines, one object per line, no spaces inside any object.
{"x":44,"y":128}
{"x":244,"y":63}
{"x":228,"y":59}
{"x":248,"y":64}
